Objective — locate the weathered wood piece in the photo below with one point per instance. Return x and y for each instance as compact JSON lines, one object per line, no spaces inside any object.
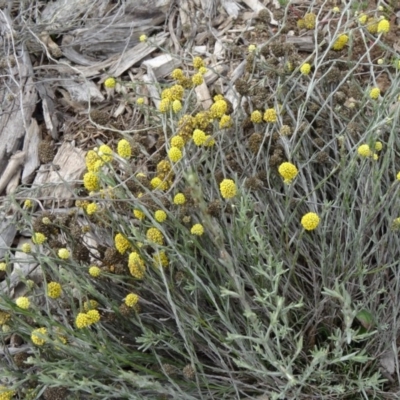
{"x":204,"y":96}
{"x":303,"y":43}
{"x":163,"y":65}
{"x":59,"y":184}
{"x":12,"y":169}
{"x":31,"y":149}
{"x":8,"y":230}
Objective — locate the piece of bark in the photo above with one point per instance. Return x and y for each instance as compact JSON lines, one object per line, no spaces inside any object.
{"x":12,"y":169}
{"x":304,"y":43}
{"x":14,"y":181}
{"x":214,"y":72}
{"x":57,"y":185}
{"x":46,"y":93}
{"x":150,"y":80}
{"x":203,"y":96}
{"x":17,"y":112}
{"x":162,"y":65}
{"x":83,"y":91}
{"x":8,"y":230}
{"x":31,"y":146}
{"x":231,"y":7}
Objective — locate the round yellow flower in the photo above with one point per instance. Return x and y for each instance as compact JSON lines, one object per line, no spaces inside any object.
{"x":174,"y":154}
{"x":335,"y":9}
{"x":197,"y":229}
{"x":28,"y":204}
{"x":309,"y":20}
{"x":154,"y":235}
{"x":94,"y":271}
{"x":122,"y":244}
{"x":91,"y":208}
{"x":38,"y":238}
{"x":372,"y":25}
{"x":199,"y":137}
{"x":256,"y":117}
{"x":176,"y":106}
{"x":362,"y":19}
{"x":38,"y":336}
{"x":131,"y":299}
{"x":341,"y":41}
{"x":305,"y":69}
{"x":374,"y":93}
{"x":310,"y":221}
{"x":140,"y":101}
{"x":63,"y":254}
{"x":23,"y":302}
{"x":219,"y":108}
{"x":82,"y":320}
{"x":6,"y":394}
{"x":179,"y":199}
{"x":364,"y":150}
{"x":228,"y":188}
{"x":105,"y":153}
{"x":383,"y":26}
{"x":210,"y":141}
{"x":288,"y":171}
{"x":160,"y":216}
{"x":93,"y":316}
{"x":198,"y":62}
{"x":177,"y":74}
{"x":110,"y":83}
{"x":225,"y":122}
{"x":252,"y":48}
{"x":3,"y":266}
{"x":270,"y":115}
{"x":203,"y":70}
{"x":26,"y":248}
{"x":197,"y":79}
{"x":139,"y":214}
{"x":177,"y":141}
{"x":164,"y":105}
{"x":142,"y":38}
{"x":378,"y":146}
{"x":160,"y":258}
{"x":90,"y":305}
{"x":54,"y":290}
{"x":124,"y":149}
{"x":398,"y":176}
{"x":136,"y":265}
{"x":91,"y":182}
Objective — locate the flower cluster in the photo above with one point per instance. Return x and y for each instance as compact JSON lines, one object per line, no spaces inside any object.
{"x":310,"y":221}
{"x":38,"y":238}
{"x":94,"y":271}
{"x":340,"y":42}
{"x":256,"y":117}
{"x":228,"y":188}
{"x":131,"y":299}
{"x":124,"y":149}
{"x":136,"y":265}
{"x":270,"y":115}
{"x":197,"y":229}
{"x":160,"y":216}
{"x":38,"y":336}
{"x":83,"y":320}
{"x":179,"y":199}
{"x":122,"y":244}
{"x":160,"y":258}
{"x":174,"y":154}
{"x":154,"y":235}
{"x":54,"y":290}
{"x":110,"y":83}
{"x":63,"y":254}
{"x":288,"y":171}
{"x":305,"y":69}
{"x":91,"y":182}
{"x":374,"y":93}
{"x":23,"y":302}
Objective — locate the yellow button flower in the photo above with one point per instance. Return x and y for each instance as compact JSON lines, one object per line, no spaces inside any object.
{"x":197,"y":229}
{"x":310,"y":221}
{"x":305,"y":69}
{"x":54,"y":290}
{"x":228,"y":188}
{"x":288,"y":171}
{"x":131,"y":299}
{"x":23,"y":302}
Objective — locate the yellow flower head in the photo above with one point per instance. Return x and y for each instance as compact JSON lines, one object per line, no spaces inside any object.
{"x":136,"y":265}
{"x":105,"y":153}
{"x":341,"y":41}
{"x":23,"y":302}
{"x":177,"y":141}
{"x":91,"y":182}
{"x":197,"y":229}
{"x":197,"y":79}
{"x":82,"y":320}
{"x":28,"y":204}
{"x":374,"y":93}
{"x":38,"y":238}
{"x":383,"y":26}
{"x":270,"y":115}
{"x":203,"y":70}
{"x":164,"y":105}
{"x":372,"y":25}
{"x":160,"y":216}
{"x":92,"y":161}
{"x":122,"y":244}
{"x":256,"y":117}
{"x":63,"y":254}
{"x":225,"y":122}
{"x":6,"y":394}
{"x":198,"y":62}
{"x":176,"y":106}
{"x":309,"y":20}
{"x":160,"y":258}
{"x":176,"y":92}
{"x":228,"y":188}
{"x":252,"y":48}
{"x":26,"y":248}
{"x":139,"y":214}
{"x":174,"y":154}
{"x":179,"y":199}
{"x":364,"y":150}
{"x":154,"y":235}
{"x":140,"y":101}
{"x":378,"y":146}
{"x":288,"y":171}
{"x":38,"y":336}
{"x":93,"y":316}
{"x":219,"y":108}
{"x":94,"y":271}
{"x":142,"y":38}
{"x":305,"y":69}
{"x":199,"y":137}
{"x":210,"y":141}
{"x":131,"y":299}
{"x":177,"y":74}
{"x":54,"y":290}
{"x":362,"y":19}
{"x":3,"y":266}
{"x":310,"y":221}
{"x":124,"y":149}
{"x":110,"y":83}
{"x":91,"y":208}
{"x":398,"y":176}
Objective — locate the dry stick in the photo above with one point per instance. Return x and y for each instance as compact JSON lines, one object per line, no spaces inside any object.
{"x":14,"y":163}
